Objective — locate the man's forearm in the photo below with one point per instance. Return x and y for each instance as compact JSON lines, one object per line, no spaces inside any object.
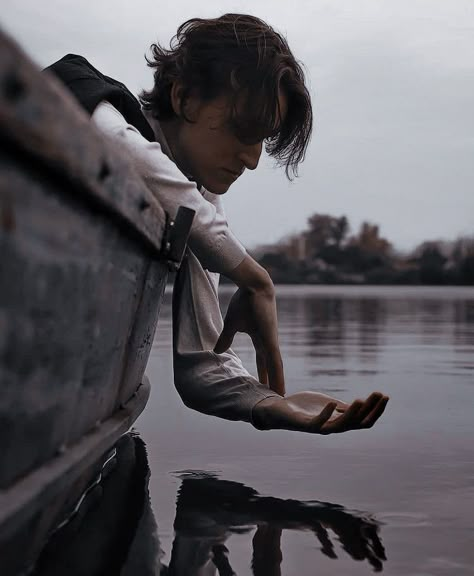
{"x":252,"y":309}
{"x":216,"y":384}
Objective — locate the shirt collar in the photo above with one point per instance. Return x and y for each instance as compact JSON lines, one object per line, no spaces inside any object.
{"x":160,"y":138}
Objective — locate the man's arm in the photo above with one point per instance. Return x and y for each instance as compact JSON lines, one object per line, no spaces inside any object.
{"x":219,"y":385}
{"x":253,"y":310}
{"x":215,"y":384}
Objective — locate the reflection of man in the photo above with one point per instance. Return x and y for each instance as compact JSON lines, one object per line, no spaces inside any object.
{"x":209,"y":511}
{"x":224,"y":88}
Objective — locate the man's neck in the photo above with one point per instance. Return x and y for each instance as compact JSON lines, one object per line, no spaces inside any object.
{"x":169,"y":128}
{"x":166,"y":132}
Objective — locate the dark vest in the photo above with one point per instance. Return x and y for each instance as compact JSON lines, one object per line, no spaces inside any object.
{"x":90,"y":88}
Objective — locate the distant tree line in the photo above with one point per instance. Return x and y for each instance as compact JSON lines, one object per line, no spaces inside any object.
{"x":326,"y":253}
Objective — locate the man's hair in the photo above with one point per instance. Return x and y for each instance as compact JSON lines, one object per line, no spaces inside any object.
{"x":242,"y":57}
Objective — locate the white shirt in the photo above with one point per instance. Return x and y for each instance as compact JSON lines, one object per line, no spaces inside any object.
{"x":215,"y":384}
{"x":210,"y":237}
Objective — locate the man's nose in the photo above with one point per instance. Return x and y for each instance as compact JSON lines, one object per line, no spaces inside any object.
{"x":250,"y":155}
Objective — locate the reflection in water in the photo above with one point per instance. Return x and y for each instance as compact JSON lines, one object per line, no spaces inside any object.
{"x":114,"y":530}
{"x":324,"y":321}
{"x":346,"y":336}
{"x":209,"y":510}
{"x":332,"y":324}
{"x":435,"y":321}
{"x":417,"y":345}
{"x":464,"y":322}
{"x":370,"y":321}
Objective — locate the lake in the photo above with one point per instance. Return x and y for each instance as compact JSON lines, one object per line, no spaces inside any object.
{"x":397,"y":498}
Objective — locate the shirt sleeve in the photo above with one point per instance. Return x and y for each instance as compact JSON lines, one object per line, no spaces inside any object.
{"x":214,"y":384}
{"x":210,"y":238}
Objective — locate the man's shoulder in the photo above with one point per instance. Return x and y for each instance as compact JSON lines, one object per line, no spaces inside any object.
{"x":91,"y":87}
{"x":73,"y":67}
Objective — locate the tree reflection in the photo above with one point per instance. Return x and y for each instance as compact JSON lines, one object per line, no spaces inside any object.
{"x":464,"y":322}
{"x":325,"y":325}
{"x":372,"y":316}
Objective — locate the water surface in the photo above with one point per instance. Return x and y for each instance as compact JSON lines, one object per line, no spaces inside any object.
{"x":403,"y":491}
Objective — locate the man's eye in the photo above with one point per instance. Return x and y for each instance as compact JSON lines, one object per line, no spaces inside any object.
{"x":247,"y":133}
{"x":250,"y":140}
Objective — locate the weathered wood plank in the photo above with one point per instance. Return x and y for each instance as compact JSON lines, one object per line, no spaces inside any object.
{"x":70,"y":292}
{"x":142,"y":332}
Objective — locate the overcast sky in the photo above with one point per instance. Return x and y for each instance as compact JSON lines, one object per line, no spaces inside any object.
{"x":392,"y":83}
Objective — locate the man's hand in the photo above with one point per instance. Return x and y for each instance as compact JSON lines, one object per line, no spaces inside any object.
{"x":252,"y":310}
{"x":318,"y":413}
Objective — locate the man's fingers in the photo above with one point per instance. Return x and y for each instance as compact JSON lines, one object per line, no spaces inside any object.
{"x":317,"y":423}
{"x":375,"y":413}
{"x":346,"y":421}
{"x":359,"y":415}
{"x":369,"y":405}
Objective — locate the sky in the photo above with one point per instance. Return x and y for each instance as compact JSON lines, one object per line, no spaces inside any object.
{"x":392,"y":85}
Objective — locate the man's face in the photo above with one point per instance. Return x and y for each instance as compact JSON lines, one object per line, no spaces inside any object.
{"x":207,"y":148}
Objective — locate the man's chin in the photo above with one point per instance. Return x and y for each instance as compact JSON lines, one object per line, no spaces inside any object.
{"x":217,"y":187}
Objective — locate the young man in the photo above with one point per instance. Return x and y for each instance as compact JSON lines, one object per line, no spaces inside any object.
{"x":226,"y":87}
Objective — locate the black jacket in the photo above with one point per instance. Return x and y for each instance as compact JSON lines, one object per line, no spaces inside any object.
{"x":90,"y":88}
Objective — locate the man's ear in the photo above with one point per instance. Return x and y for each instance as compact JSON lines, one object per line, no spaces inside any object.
{"x":176,"y":97}
{"x":185,"y":106}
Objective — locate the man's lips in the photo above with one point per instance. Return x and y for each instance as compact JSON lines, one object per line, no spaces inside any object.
{"x":234,"y":173}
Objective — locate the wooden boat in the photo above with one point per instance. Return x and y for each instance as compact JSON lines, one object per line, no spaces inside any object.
{"x":85,"y":250}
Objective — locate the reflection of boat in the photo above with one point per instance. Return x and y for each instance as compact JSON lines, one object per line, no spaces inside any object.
{"x":85,"y":251}
{"x":113,"y":531}
{"x":209,"y":510}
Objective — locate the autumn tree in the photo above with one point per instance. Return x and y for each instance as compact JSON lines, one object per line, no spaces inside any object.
{"x":325,"y":232}
{"x":368,"y":250}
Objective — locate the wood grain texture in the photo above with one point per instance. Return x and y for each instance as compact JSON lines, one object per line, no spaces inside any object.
{"x":79,"y":302}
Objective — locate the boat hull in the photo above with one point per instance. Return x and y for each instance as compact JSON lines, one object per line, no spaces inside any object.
{"x":85,"y":250}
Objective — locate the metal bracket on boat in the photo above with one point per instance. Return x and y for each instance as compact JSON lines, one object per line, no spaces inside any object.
{"x":175,"y":236}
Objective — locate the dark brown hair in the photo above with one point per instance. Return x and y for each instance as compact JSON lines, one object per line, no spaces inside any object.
{"x":243,"y":57}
